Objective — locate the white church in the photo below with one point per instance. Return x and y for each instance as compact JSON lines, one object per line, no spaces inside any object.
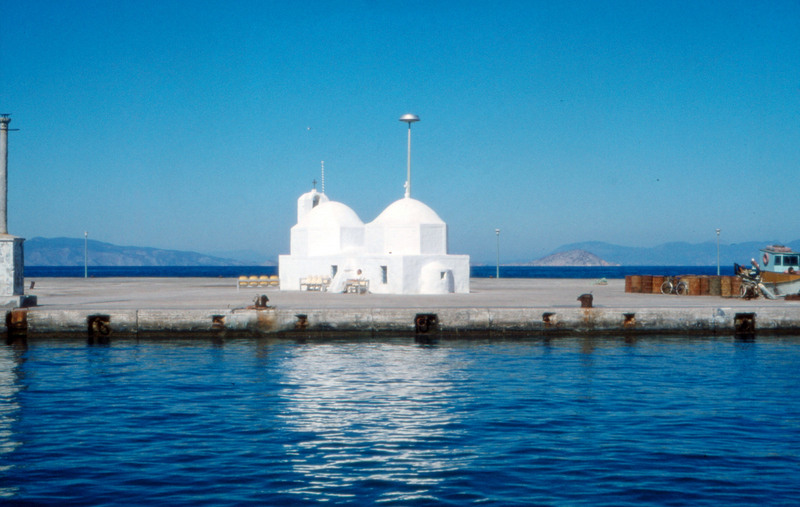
{"x":403,"y":251}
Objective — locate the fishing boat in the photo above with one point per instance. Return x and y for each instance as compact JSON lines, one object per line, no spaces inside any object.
{"x":780,"y":268}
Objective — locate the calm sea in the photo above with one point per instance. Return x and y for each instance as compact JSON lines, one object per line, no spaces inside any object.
{"x":475,"y":271}
{"x":678,"y":420}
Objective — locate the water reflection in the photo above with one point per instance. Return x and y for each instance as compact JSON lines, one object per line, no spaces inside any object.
{"x":365,"y":415}
{"x":9,"y":410}
{"x":273,"y":421}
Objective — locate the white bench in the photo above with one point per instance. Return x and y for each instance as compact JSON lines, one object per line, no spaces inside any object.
{"x":316,"y":283}
{"x":356,"y":286}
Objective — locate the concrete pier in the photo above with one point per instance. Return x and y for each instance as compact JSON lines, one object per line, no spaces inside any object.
{"x":493,"y":307}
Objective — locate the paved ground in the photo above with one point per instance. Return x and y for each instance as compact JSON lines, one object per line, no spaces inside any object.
{"x":222,"y":293}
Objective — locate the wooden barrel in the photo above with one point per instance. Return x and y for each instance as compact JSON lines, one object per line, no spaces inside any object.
{"x":628,"y":283}
{"x":647,"y":284}
{"x":636,"y":283}
{"x":736,"y":282}
{"x":693,"y":282}
{"x":658,"y":281}
{"x":704,"y":286}
{"x":725,"y":286}
{"x":714,"y":286}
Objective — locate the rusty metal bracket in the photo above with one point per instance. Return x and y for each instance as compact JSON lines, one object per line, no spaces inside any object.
{"x":744,"y":323}
{"x":17,"y":321}
{"x":98,"y":325}
{"x":302,"y":321}
{"x":630,"y":319}
{"x":425,"y":322}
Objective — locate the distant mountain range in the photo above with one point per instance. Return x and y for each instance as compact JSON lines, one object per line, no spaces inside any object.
{"x":675,"y":254}
{"x":70,"y":252}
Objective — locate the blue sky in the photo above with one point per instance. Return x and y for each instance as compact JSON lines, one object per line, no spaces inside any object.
{"x":196,"y":125}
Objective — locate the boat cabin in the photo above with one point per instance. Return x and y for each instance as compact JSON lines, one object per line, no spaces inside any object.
{"x":778,"y":259}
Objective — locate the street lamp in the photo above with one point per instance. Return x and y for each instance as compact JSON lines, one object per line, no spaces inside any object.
{"x":498,"y":252}
{"x":86,"y":254}
{"x":409,"y":118}
{"x":717,"y":252}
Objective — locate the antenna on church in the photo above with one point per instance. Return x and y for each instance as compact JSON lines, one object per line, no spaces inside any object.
{"x":323,"y":176}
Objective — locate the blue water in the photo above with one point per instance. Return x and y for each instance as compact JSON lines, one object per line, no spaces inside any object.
{"x":150,"y":271}
{"x":593,"y":271}
{"x":475,"y":271}
{"x":568,"y":421}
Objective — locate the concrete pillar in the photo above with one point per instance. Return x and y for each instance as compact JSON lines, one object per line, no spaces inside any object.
{"x":12,"y":258}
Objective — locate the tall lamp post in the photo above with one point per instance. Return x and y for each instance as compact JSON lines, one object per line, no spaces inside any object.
{"x":498,"y":252}
{"x":717,"y":252}
{"x":86,"y":254}
{"x":409,"y":118}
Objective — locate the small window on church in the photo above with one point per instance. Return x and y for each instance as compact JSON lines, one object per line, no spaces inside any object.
{"x":443,"y":273}
{"x":384,"y":274}
{"x":315,"y":201}
{"x":334,"y":270}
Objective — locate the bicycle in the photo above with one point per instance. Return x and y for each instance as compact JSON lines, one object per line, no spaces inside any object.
{"x":673,"y":285}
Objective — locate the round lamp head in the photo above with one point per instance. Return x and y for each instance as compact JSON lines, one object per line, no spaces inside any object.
{"x":409,"y":118}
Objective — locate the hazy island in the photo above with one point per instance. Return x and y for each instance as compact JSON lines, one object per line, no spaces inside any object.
{"x":575,"y":257}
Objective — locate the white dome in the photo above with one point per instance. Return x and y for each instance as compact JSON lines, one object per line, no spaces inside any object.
{"x":330,"y":228}
{"x":407,"y":212}
{"x":406,"y":227}
{"x":331,"y":214}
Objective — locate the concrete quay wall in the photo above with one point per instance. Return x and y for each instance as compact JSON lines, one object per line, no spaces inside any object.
{"x":412,"y":321}
{"x":501,"y":307}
